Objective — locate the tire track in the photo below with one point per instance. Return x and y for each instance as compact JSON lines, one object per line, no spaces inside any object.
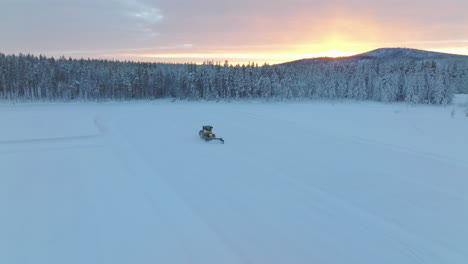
{"x":169,"y":206}
{"x":48,"y":140}
{"x":97,"y":123}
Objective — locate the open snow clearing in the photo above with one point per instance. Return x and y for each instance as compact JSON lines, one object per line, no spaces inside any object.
{"x":316,"y":182}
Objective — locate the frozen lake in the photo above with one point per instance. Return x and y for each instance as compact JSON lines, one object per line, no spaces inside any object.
{"x":315,"y":182}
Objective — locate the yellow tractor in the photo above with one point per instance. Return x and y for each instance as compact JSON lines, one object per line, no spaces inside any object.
{"x":207,"y":134}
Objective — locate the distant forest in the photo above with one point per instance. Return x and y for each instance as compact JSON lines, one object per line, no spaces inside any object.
{"x":28,"y":77}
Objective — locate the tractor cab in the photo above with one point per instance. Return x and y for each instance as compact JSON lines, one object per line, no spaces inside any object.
{"x":207,"y":129}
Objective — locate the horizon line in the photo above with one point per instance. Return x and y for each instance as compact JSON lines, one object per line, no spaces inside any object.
{"x":233,"y":59}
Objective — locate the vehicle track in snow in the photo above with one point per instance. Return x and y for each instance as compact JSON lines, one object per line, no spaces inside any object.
{"x":183,"y":220}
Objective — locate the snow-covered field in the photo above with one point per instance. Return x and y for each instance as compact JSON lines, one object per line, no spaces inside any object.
{"x":315,"y":182}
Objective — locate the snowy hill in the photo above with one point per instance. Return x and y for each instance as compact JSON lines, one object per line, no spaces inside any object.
{"x":404,"y":53}
{"x":386,"y":54}
{"x":328,"y":183}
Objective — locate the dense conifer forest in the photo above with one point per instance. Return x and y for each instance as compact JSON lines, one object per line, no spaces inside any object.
{"x":28,"y":77}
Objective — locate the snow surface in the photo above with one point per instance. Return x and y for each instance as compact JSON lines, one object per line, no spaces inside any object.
{"x":312,"y":182}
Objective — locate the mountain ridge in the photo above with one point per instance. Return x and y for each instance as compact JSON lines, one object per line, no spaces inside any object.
{"x":384,"y":54}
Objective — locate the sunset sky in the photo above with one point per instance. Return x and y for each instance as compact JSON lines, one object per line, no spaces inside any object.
{"x":238,"y":31}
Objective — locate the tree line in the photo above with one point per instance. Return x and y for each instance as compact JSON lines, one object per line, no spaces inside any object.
{"x":28,"y":77}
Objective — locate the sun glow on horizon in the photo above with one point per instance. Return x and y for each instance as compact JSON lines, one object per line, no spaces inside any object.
{"x":333,"y":44}
{"x":238,"y":57}
{"x":331,"y":54}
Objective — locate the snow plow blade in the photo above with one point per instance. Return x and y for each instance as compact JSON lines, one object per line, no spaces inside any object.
{"x":220,"y":139}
